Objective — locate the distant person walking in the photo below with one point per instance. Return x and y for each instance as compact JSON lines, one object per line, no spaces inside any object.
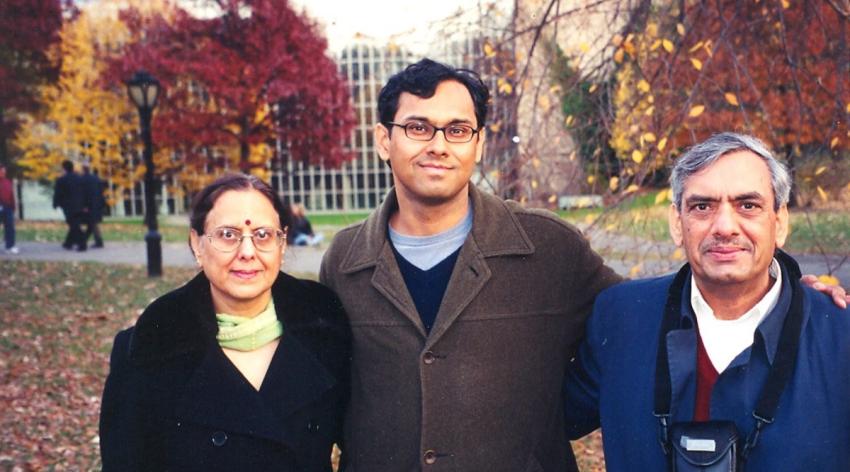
{"x":68,"y":195}
{"x":7,"y":211}
{"x":94,"y":202}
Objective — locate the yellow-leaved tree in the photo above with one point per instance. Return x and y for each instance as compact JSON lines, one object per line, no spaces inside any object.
{"x":637,"y":134}
{"x":83,"y":121}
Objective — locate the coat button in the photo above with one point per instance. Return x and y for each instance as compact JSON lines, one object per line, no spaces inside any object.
{"x":430,"y":457}
{"x":219,"y":438}
{"x":428,"y":358}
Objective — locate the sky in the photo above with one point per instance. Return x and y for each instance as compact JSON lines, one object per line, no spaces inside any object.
{"x":380,"y":19}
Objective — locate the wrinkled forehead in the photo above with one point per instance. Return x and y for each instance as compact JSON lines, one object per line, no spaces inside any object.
{"x":242,"y":209}
{"x":735,"y":173}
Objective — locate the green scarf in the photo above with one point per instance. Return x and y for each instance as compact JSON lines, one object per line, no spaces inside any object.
{"x":246,"y":334}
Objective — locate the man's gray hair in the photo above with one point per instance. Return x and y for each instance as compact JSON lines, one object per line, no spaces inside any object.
{"x":707,"y":152}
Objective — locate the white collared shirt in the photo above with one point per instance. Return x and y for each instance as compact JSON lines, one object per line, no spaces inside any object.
{"x":725,"y":339}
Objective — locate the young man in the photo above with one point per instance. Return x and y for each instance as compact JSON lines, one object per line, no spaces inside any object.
{"x":464,"y":308}
{"x":7,"y":211}
{"x":702,"y":345}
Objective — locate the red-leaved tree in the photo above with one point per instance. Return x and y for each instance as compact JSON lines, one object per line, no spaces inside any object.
{"x":27,"y":30}
{"x":776,"y":69}
{"x":237,"y":81}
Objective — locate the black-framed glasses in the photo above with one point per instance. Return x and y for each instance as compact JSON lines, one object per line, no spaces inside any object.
{"x":424,"y":131}
{"x":226,"y":239}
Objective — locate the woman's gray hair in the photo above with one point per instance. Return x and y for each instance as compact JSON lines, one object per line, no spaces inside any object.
{"x":705,"y":153}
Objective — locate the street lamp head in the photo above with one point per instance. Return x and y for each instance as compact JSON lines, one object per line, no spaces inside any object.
{"x":144,"y":90}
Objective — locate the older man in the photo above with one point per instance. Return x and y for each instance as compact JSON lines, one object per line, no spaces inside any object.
{"x":730,"y":347}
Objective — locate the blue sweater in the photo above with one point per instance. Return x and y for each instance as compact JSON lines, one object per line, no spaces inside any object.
{"x":427,"y":287}
{"x":611,"y":382}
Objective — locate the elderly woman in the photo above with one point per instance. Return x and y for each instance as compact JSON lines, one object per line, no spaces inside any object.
{"x":244,"y":367}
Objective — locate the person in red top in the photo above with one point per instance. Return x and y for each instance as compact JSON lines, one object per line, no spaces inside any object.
{"x":7,"y":211}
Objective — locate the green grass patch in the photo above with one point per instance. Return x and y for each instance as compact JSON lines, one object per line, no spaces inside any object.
{"x":172,"y":228}
{"x":812,"y":231}
{"x":816,"y":231}
{"x":339,"y":220}
{"x":112,"y":230}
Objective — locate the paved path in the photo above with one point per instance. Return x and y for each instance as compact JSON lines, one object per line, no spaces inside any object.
{"x":307,"y":260}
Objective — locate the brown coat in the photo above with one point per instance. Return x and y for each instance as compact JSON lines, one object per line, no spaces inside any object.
{"x":483,"y":390}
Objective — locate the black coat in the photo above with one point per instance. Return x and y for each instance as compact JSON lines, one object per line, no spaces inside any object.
{"x":173,"y":401}
{"x":93,"y":196}
{"x":69,"y":194}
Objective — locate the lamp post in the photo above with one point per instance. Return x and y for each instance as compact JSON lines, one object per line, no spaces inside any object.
{"x":144,"y":90}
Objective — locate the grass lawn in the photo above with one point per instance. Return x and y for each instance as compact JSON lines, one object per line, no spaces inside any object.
{"x":172,"y":228}
{"x":125,"y":229}
{"x":812,"y":231}
{"x":57,"y":323}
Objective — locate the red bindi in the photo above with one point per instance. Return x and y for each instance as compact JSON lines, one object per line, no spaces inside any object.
{"x":248,"y":222}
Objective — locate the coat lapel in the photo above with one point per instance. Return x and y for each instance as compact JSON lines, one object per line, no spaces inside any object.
{"x":469,"y":276}
{"x":389,"y":282}
{"x":218,"y":396}
{"x":495,"y":233}
{"x":370,"y":248}
{"x":296,"y":379}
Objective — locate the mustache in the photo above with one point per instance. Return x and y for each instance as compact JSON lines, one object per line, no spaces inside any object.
{"x":715,"y":243}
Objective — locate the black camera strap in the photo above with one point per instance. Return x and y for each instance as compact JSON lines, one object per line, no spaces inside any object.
{"x":778,"y":376}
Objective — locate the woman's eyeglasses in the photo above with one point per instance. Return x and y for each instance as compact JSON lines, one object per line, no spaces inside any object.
{"x":229,"y":239}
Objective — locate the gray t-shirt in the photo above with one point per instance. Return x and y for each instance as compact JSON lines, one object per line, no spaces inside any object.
{"x":425,"y":252}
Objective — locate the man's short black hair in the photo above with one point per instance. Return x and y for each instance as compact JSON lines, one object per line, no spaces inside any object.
{"x":68,"y":166}
{"x":421,"y":79}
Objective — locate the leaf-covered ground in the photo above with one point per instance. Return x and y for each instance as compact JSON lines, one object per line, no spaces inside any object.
{"x":57,"y":322}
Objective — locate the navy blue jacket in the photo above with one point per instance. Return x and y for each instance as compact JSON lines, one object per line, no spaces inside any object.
{"x":611,"y":382}
{"x":174,"y":402}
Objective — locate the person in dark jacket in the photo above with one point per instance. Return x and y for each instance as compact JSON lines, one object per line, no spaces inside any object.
{"x":94,"y":204}
{"x":244,"y":367}
{"x":68,"y":195}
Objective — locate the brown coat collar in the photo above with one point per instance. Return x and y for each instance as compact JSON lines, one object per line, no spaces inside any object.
{"x":495,"y":230}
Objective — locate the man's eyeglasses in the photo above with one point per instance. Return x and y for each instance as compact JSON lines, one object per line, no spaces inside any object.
{"x":229,"y":239}
{"x":423,"y":131}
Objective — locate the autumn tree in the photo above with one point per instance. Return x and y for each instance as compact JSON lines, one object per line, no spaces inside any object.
{"x":83,"y":121}
{"x":27,"y":30}
{"x":253,"y":73}
{"x":776,"y":69}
